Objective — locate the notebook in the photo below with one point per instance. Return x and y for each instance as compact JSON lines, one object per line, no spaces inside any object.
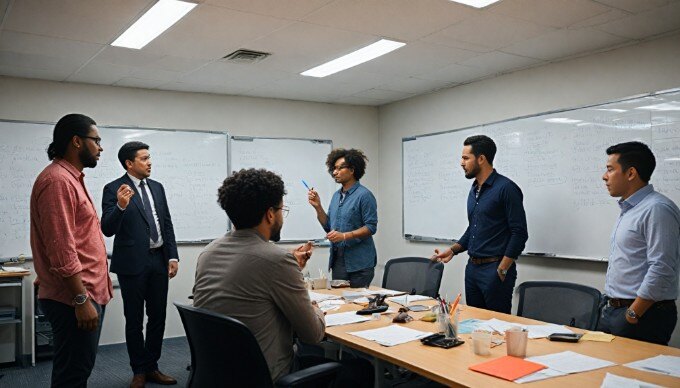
{"x":508,"y":367}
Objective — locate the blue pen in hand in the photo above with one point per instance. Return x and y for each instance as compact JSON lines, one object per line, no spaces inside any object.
{"x":306,"y":185}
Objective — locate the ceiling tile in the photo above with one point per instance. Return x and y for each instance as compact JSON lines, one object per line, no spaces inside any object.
{"x":223,"y":74}
{"x":43,"y":52}
{"x":379,"y":94}
{"x":101,"y":73}
{"x":178,"y":64}
{"x":455,"y":74}
{"x":645,"y":24}
{"x":405,"y":20}
{"x":286,"y":9}
{"x":564,"y":43}
{"x":132,"y":82}
{"x":52,"y":74}
{"x":210,"y":32}
{"x":97,"y":21}
{"x":152,"y":73}
{"x":127,"y":57}
{"x":356,"y":100}
{"x":635,"y":6}
{"x":488,"y":32}
{"x":413,"y":85}
{"x":213,"y":89}
{"x":553,"y":13}
{"x":611,"y":15}
{"x":498,"y":62}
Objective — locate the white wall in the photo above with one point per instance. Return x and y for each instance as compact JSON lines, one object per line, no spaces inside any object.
{"x":346,"y":126}
{"x":646,"y":67}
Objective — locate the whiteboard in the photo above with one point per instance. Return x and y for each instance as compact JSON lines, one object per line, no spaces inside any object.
{"x":294,"y":160}
{"x":557,"y":159}
{"x":190,"y":165}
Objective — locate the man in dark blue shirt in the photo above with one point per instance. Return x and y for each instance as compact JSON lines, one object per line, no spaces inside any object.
{"x":497,"y":230}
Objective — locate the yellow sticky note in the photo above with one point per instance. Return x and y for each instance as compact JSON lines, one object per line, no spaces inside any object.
{"x":597,"y":336}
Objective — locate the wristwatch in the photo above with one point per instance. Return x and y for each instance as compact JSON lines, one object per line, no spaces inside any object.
{"x":80,"y":299}
{"x":501,"y":271}
{"x":632,"y":314}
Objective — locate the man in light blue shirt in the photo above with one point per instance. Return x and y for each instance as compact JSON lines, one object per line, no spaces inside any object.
{"x":644,"y":260}
{"x":351,"y":221}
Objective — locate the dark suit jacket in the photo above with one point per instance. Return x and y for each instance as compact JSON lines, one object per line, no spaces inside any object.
{"x":131,"y":244}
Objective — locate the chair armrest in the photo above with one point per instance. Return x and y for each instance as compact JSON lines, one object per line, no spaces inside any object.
{"x":324,"y":372}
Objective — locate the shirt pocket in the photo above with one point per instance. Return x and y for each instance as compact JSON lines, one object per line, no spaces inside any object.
{"x":85,"y":213}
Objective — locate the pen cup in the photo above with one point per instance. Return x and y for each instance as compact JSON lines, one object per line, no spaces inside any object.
{"x":319,"y":283}
{"x":481,"y":342}
{"x":516,"y":340}
{"x":445,"y":326}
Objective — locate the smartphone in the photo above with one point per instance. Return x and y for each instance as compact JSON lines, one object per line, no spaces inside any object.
{"x":565,"y":337}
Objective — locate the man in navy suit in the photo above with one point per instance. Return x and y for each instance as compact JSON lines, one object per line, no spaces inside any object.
{"x":135,"y":210}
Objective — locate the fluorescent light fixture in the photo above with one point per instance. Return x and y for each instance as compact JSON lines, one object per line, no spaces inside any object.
{"x":358,"y":57}
{"x":613,"y":110}
{"x":157,"y":19}
{"x":562,"y":120}
{"x":476,"y":3}
{"x":667,"y":106}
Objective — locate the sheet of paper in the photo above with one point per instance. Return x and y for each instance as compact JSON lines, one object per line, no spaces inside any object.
{"x":351,"y":295}
{"x":540,"y":375}
{"x":597,"y":336}
{"x":391,"y":335}
{"x":345,"y":318}
{"x":389,"y":292}
{"x":13,"y":269}
{"x":497,"y":325}
{"x":571,"y":362}
{"x":542,"y":331}
{"x":405,"y":300}
{"x":469,"y":325}
{"x":318,"y":297}
{"x":614,"y":381}
{"x":665,"y":365}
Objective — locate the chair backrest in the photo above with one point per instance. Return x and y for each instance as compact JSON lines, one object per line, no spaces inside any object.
{"x":413,"y":273}
{"x":561,"y":303}
{"x":224,"y":353}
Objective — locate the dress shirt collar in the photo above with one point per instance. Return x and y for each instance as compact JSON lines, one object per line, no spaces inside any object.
{"x":247,"y":233}
{"x":351,"y":189}
{"x":70,"y":168}
{"x":489,"y":181}
{"x":136,"y":181}
{"x":634,"y":199}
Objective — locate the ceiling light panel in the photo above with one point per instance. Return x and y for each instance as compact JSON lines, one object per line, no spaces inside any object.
{"x":352,"y":59}
{"x":154,"y":22}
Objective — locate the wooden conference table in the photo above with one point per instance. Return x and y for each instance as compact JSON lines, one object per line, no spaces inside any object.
{"x":450,"y":366}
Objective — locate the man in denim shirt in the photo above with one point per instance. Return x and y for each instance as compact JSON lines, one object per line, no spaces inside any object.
{"x":496,"y":233}
{"x":351,"y":221}
{"x":644,"y":260}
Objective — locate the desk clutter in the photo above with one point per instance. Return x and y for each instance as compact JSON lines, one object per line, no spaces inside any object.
{"x":521,"y":364}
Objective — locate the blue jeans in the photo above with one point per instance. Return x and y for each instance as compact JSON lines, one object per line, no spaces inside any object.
{"x":655,"y":326}
{"x":484,"y":288}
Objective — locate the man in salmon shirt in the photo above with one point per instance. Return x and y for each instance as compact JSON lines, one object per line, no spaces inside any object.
{"x":68,"y":250}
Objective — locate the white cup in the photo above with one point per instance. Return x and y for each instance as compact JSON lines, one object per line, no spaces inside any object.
{"x":481,"y":342}
{"x":516,"y":340}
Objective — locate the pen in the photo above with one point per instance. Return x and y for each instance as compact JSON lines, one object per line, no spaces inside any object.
{"x":306,"y":185}
{"x":455,"y":303}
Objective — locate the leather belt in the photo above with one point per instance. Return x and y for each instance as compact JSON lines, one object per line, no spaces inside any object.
{"x":153,"y":251}
{"x":484,"y":260}
{"x":616,"y":302}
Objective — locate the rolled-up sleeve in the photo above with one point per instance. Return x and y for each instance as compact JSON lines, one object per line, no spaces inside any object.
{"x":662,"y":235}
{"x":369,"y":212}
{"x":57,"y":204}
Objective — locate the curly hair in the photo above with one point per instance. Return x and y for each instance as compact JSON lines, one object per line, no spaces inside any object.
{"x":247,"y":194}
{"x":354,"y":159}
{"x":74,"y":124}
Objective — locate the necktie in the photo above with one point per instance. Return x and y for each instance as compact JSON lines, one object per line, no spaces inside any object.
{"x":148,"y":212}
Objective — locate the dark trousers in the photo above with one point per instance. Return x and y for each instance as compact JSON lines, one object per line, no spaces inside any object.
{"x":655,"y":326}
{"x":355,"y":372}
{"x":75,"y":350}
{"x":357,"y":279}
{"x":484,"y":288}
{"x":150,"y":287}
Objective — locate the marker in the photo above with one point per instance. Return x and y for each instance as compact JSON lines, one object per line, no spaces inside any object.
{"x":306,"y":185}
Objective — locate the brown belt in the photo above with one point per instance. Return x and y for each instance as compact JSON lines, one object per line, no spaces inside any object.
{"x":484,"y":260}
{"x":615,"y":302}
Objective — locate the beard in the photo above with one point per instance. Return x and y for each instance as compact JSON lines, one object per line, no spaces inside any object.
{"x":473,"y":172}
{"x":87,"y":159}
{"x":276,"y":233}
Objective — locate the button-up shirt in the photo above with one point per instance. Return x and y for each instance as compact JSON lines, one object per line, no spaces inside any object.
{"x":497,"y":222}
{"x":357,"y":208}
{"x":66,"y":237}
{"x":153,"y":244}
{"x":644,"y":257}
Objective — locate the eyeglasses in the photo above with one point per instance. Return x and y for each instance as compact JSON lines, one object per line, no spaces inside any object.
{"x":284,"y":210}
{"x":340,"y":167}
{"x":97,"y":140}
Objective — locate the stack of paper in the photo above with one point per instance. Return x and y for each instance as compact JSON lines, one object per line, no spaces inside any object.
{"x":469,"y":325}
{"x":318,"y":297}
{"x":614,"y":381}
{"x":351,"y":295}
{"x":666,"y":365}
{"x":330,"y":305}
{"x":542,"y":331}
{"x":597,"y":336}
{"x":497,"y":325}
{"x":345,"y":318}
{"x":507,"y":367}
{"x":391,"y":335}
{"x":564,"y":363}
{"x":13,"y":269}
{"x":405,"y":300}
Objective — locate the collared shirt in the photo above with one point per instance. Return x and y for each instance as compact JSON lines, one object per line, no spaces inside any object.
{"x":248,"y":278}
{"x":350,"y":211}
{"x":153,"y":244}
{"x":66,"y":236}
{"x":497,"y":222}
{"x":644,"y":257}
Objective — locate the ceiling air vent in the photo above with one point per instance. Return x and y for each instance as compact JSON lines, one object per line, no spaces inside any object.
{"x":245,"y":56}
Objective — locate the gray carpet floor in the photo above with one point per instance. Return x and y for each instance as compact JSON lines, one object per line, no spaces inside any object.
{"x":112,"y":369}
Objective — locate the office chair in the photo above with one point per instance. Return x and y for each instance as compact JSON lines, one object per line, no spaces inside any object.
{"x":413,"y":274}
{"x":224,"y":353}
{"x":561,"y":303}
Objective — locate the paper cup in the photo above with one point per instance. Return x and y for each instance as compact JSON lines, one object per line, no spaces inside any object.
{"x":481,"y":342}
{"x":516,"y":340}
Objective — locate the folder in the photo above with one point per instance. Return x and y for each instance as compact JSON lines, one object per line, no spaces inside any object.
{"x":507,"y":367}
